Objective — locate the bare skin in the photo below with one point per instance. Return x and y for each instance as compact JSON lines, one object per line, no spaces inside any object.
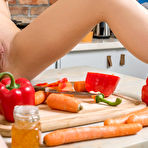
{"x":60,"y":27}
{"x":7,"y":32}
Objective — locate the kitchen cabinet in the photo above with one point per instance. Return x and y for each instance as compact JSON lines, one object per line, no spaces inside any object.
{"x":109,"y":59}
{"x":103,"y":54}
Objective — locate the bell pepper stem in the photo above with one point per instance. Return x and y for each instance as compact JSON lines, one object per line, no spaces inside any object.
{"x":100,"y":98}
{"x":12,"y":84}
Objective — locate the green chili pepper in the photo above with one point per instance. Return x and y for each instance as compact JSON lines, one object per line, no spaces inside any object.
{"x":100,"y":98}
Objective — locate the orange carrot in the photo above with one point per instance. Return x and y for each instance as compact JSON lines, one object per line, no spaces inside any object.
{"x":122,"y":119}
{"x":65,"y":87}
{"x":63,"y":102}
{"x":93,"y":97}
{"x":79,"y":86}
{"x":142,"y":119}
{"x":40,"y":97}
{"x":63,"y":136}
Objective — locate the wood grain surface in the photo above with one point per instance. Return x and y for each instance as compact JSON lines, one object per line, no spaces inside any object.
{"x":91,"y":113}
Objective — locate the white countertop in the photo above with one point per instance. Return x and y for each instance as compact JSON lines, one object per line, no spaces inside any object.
{"x":129,"y":86}
{"x":98,"y":44}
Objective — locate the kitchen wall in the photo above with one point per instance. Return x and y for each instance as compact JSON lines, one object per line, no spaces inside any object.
{"x":27,"y":10}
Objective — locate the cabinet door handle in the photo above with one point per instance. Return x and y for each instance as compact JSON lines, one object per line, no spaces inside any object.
{"x":109,"y":61}
{"x":122,"y":59}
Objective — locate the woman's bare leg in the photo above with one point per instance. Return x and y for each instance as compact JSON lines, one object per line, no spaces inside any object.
{"x":63,"y":25}
{"x":4,"y":8}
{"x":52,"y":35}
{"x":129,"y":21}
{"x":7,"y":28}
{"x":7,"y":32}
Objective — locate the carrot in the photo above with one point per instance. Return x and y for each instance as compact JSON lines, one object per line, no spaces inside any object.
{"x":63,"y":102}
{"x":122,"y":119}
{"x":40,"y":97}
{"x":64,"y":136}
{"x":93,"y":97}
{"x":65,"y":87}
{"x":79,"y":86}
{"x":142,"y":119}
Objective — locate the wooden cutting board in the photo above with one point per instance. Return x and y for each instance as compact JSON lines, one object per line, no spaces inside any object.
{"x":91,"y":113}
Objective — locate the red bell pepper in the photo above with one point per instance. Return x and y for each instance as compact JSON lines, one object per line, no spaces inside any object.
{"x":42,"y":84}
{"x":55,"y":84}
{"x":62,"y":82}
{"x":103,"y":83}
{"x":14,"y":92}
{"x":145,"y":92}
